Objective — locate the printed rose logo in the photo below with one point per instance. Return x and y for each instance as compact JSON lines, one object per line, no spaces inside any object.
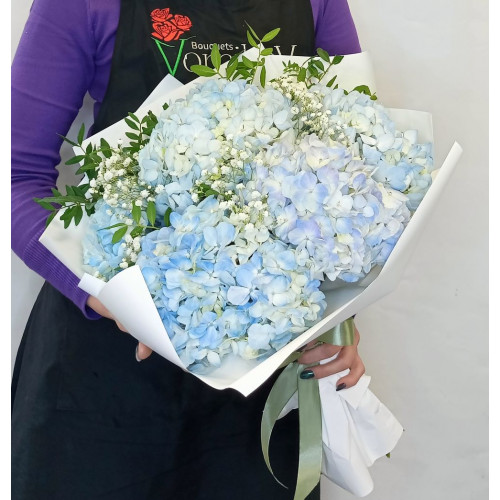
{"x":160,"y":15}
{"x":168,"y":27}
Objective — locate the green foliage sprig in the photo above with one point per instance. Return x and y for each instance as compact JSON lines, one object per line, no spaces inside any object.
{"x":77,"y":198}
{"x":311,"y":71}
{"x":240,"y":66}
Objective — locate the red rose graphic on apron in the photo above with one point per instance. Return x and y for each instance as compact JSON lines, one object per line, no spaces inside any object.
{"x":168,"y":27}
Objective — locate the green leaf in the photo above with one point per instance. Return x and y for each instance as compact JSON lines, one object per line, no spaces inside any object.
{"x":272,"y":34}
{"x":85,"y":168}
{"x":78,"y":215}
{"x":151,"y":212}
{"x":166,"y":217}
{"x":118,"y":224}
{"x":136,"y":213}
{"x":119,"y":234}
{"x":251,"y":40}
{"x":231,"y":67}
{"x":81,"y":134}
{"x":267,"y":52}
{"x":215,"y":56}
{"x":248,"y":63}
{"x":363,"y":89}
{"x":337,"y":59}
{"x":202,"y":70}
{"x":263,"y":76}
{"x":137,"y":231}
{"x":312,"y":69}
{"x":318,"y":64}
{"x":388,"y":455}
{"x":134,"y":117}
{"x":75,"y":159}
{"x":253,"y":32}
{"x":65,"y":139}
{"x":323,"y":54}
{"x":131,"y":135}
{"x":301,"y":77}
{"x":332,"y":81}
{"x":131,"y":124}
{"x":44,"y":204}
{"x":50,"y":217}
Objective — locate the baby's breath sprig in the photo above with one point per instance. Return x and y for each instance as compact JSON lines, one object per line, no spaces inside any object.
{"x":104,"y":167}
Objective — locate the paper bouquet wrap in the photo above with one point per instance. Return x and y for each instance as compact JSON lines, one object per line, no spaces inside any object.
{"x":357,"y":427}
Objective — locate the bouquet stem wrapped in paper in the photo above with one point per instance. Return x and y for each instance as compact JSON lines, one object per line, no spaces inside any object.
{"x":242,"y":212}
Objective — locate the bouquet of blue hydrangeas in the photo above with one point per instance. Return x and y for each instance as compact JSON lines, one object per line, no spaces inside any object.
{"x":215,"y":224}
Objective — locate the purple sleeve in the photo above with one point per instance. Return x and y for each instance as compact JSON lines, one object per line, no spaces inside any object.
{"x":51,"y":73}
{"x":335,"y":30}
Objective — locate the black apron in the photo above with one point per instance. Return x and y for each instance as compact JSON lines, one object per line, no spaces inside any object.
{"x":88,"y":421}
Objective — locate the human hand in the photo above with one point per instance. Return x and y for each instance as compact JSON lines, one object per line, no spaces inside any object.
{"x":142,"y":351}
{"x":348,"y":357}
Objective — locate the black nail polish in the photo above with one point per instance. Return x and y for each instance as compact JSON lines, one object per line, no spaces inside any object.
{"x":340,"y":387}
{"x":307,"y":374}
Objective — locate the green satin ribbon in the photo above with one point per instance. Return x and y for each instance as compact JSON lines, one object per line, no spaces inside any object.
{"x":310,"y":439}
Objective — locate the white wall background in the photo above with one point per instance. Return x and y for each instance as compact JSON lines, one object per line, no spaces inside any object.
{"x":426,"y":345}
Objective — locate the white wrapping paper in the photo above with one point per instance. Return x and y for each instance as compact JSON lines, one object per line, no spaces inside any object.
{"x":357,"y":429}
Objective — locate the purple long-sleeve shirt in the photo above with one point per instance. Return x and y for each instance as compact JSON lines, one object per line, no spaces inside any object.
{"x":66,"y":51}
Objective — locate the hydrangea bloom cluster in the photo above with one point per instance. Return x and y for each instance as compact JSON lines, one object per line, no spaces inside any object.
{"x":211,"y":303}
{"x":269,"y":192}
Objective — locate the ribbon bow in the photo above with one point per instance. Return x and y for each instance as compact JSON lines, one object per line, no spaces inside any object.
{"x":310,"y":428}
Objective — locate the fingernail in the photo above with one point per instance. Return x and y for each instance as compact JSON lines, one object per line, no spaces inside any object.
{"x":307,"y":374}
{"x":137,"y":358}
{"x":340,"y":387}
